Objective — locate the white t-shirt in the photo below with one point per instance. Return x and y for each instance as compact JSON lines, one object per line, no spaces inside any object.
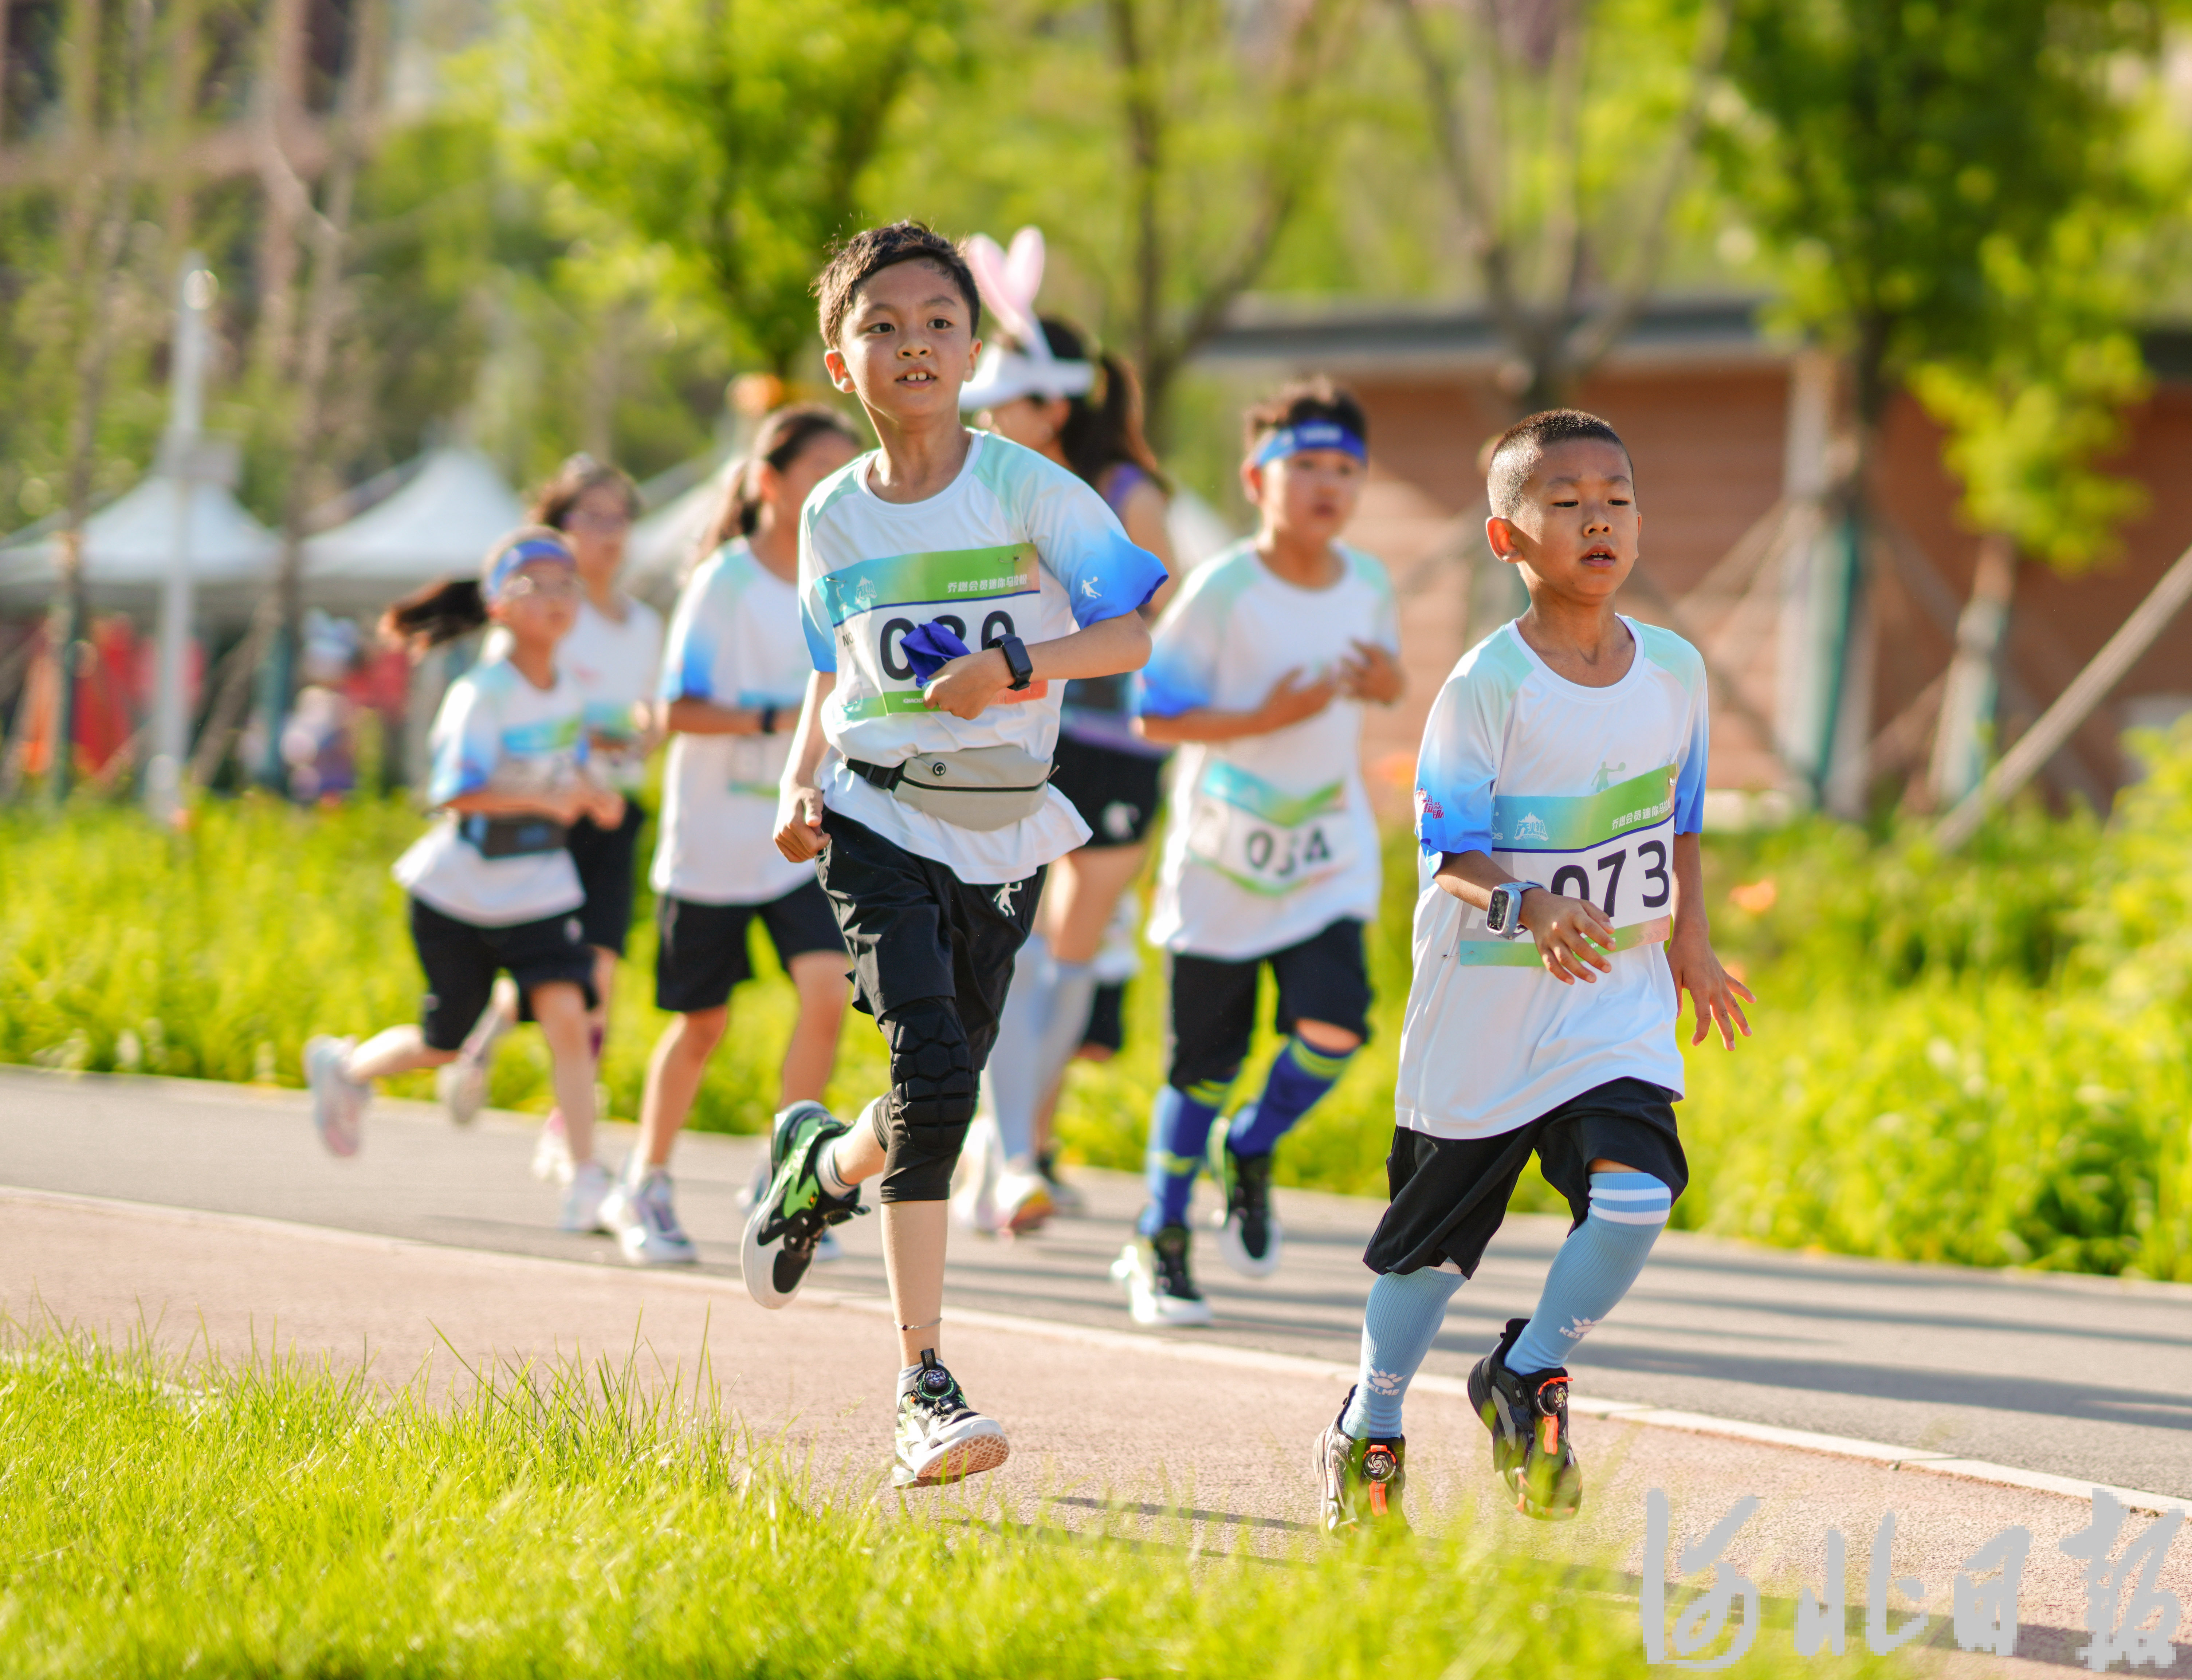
{"x":1579,"y":789}
{"x":1016,"y":545}
{"x":617,"y":667}
{"x":734,"y":641}
{"x":496,"y":731}
{"x":1272,"y":837}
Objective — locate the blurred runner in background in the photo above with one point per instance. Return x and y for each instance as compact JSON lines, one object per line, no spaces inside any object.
{"x":733,"y":676}
{"x":1042,"y":385}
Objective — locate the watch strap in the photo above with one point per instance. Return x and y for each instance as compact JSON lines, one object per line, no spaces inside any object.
{"x":1016,"y":661}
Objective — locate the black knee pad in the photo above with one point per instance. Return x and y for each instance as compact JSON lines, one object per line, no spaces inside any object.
{"x":931,"y":1100}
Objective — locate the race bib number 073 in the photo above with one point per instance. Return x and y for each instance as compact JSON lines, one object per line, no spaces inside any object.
{"x":1615,"y":847}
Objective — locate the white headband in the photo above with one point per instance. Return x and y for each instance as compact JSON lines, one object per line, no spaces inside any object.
{"x":1018,"y":363}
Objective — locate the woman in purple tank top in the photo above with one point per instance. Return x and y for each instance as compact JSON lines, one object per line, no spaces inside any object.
{"x":1043,"y":385}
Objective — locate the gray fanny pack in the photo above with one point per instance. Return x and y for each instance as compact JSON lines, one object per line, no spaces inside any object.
{"x":977,"y":787}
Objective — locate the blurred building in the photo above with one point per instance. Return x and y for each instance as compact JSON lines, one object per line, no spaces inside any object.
{"x":1714,"y":413}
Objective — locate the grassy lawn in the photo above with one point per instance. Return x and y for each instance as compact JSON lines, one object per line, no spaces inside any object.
{"x":157,"y":1519}
{"x":1980,"y":1059}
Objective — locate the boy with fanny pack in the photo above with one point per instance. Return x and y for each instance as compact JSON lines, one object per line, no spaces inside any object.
{"x":1558,"y":795}
{"x":950,"y":582}
{"x":1260,"y":671}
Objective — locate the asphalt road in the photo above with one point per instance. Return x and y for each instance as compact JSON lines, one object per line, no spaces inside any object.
{"x":2079,"y":1377}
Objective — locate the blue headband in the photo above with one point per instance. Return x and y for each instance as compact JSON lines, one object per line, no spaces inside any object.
{"x":1308,"y":435}
{"x":505,"y":561}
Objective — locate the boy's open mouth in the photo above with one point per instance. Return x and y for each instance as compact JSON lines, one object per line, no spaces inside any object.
{"x":919,"y":377}
{"x":1598,"y":554}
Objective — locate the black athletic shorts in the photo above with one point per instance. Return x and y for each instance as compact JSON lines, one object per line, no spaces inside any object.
{"x":1107,"y":1017}
{"x":1450,"y":1193}
{"x":914,"y":930}
{"x":702,"y":952}
{"x":607,"y":860}
{"x":1213,"y":1001}
{"x":1116,"y":793}
{"x":461,"y":961}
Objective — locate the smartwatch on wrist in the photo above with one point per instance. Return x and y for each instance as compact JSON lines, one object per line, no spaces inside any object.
{"x":768,"y":725}
{"x":1016,"y":661}
{"x":1504,"y":917}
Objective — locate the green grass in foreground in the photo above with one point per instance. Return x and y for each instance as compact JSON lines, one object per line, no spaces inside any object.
{"x":159,"y":1519}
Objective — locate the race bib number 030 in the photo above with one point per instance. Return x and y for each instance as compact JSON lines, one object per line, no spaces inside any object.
{"x":982,"y":595}
{"x":1266,"y":841}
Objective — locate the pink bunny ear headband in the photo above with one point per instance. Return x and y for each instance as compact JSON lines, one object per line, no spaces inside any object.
{"x":1019,"y":362}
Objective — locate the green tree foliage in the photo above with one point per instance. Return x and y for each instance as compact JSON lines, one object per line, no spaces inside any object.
{"x":1887,"y":147}
{"x":731,"y":136}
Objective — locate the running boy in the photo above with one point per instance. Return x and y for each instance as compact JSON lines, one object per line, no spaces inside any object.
{"x":1260,"y":669}
{"x":492,"y":885}
{"x":935,"y":822}
{"x":732,"y":679}
{"x":1560,"y":794}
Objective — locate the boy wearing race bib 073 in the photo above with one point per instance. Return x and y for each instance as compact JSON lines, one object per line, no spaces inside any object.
{"x":1260,"y":671}
{"x":1559,"y":794}
{"x":950,"y":583}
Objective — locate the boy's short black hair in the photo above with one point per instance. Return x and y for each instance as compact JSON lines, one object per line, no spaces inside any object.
{"x":1318,"y":399}
{"x":858,"y":259}
{"x":1515,"y":452}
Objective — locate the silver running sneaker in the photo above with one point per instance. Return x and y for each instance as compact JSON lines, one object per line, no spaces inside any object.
{"x":1160,"y":1287}
{"x":338,"y":1100}
{"x":644,"y":1220}
{"x":940,"y":1438}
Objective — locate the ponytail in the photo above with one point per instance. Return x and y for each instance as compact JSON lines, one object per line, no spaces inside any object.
{"x":782,"y":440}
{"x":1103,"y":429}
{"x":441,"y":612}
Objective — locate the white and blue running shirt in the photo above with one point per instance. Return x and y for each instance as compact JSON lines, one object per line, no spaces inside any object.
{"x":1016,"y":545}
{"x":1582,"y":790}
{"x":496,"y":731}
{"x":735,"y":642}
{"x":616,"y":663}
{"x":1272,"y":837}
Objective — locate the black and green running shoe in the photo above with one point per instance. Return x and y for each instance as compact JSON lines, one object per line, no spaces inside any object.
{"x":789,"y":1218}
{"x":1363,"y":1480}
{"x":1527,"y":1413}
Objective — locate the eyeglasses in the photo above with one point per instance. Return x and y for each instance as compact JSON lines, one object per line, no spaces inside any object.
{"x":554,"y":586}
{"x":586,"y":519}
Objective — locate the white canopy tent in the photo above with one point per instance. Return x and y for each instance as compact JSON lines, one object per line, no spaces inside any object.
{"x":451,"y":508}
{"x":129,"y":547}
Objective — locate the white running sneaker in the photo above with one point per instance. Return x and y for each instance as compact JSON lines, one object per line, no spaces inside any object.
{"x":551,"y":1155}
{"x":1020,"y":1204}
{"x":974,"y":1196}
{"x":644,"y":1222}
{"x":462,"y":1085}
{"x":338,"y":1100}
{"x":1160,"y":1289}
{"x":940,"y":1438}
{"x":582,"y":1202}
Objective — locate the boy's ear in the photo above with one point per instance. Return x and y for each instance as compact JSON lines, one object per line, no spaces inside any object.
{"x":1252,"y":483}
{"x":839,"y":375}
{"x":1505,"y":541}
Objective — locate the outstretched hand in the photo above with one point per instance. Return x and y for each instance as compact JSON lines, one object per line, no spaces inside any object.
{"x":1713,"y":990}
{"x":1291,"y":700}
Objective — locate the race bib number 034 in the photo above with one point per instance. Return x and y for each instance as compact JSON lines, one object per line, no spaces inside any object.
{"x":1266,"y":841}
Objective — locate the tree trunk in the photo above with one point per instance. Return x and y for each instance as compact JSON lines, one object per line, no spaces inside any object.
{"x":1967,"y":704}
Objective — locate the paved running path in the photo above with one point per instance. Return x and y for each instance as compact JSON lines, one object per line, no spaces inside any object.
{"x":1934,"y":1360}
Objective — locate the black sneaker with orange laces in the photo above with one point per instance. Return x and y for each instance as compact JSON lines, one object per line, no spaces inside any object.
{"x":1527,"y":1413}
{"x":1362,"y":1480}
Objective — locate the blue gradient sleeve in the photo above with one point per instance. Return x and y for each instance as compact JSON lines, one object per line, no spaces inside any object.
{"x":1697,"y":759}
{"x":1182,"y":673}
{"x":688,"y":655}
{"x":464,"y":744}
{"x":1455,"y":770}
{"x":1079,"y":539}
{"x":813,"y":611}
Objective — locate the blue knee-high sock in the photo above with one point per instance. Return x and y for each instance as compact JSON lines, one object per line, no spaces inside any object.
{"x":1404,"y":1314}
{"x":1300,"y":1076}
{"x":1179,"y":1132}
{"x":1594,"y":1267}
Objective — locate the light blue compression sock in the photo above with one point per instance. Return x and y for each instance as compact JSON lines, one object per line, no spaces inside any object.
{"x":1300,"y":1076}
{"x":1072,"y":989}
{"x":1594,"y":1267}
{"x":1179,"y":1133}
{"x":1014,"y":1079}
{"x":1398,"y":1327}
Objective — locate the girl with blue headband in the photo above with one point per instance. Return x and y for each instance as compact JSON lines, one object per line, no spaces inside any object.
{"x":492,"y":886}
{"x":1259,"y":672}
